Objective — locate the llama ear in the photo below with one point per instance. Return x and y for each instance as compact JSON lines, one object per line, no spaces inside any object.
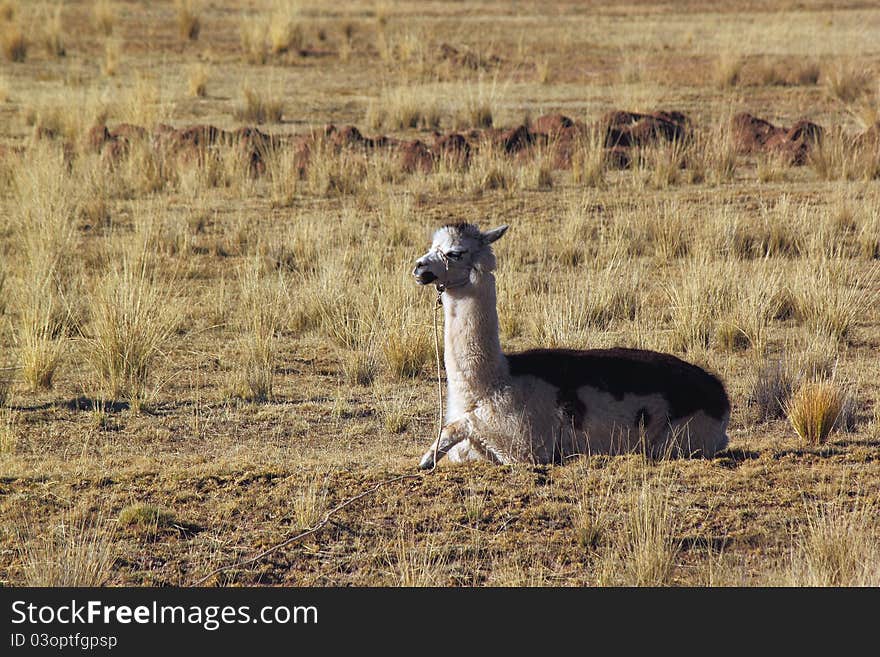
{"x":495,"y":234}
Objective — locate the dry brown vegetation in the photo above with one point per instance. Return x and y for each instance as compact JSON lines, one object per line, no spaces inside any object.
{"x":206,"y":341}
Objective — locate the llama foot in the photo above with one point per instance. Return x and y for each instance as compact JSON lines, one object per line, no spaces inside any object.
{"x":427,"y":461}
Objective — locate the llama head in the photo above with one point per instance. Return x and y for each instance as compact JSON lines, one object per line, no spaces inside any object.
{"x":459,"y":253}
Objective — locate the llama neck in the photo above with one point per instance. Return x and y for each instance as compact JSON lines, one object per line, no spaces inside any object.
{"x":475,"y":365}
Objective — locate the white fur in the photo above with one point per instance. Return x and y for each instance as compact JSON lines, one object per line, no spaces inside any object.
{"x":494,"y":415}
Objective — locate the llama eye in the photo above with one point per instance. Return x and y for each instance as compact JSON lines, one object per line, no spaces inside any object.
{"x":455,"y":255}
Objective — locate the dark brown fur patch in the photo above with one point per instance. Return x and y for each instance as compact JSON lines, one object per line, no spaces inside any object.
{"x":685,"y":387}
{"x":572,"y":407}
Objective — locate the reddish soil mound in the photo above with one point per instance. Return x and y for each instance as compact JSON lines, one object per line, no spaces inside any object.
{"x":347,"y":135}
{"x":626,"y":129}
{"x":562,"y":135}
{"x":753,"y":135}
{"x":556,"y":134}
{"x":129,"y":132}
{"x":511,"y":140}
{"x":96,"y":137}
{"x":416,"y":156}
{"x":551,"y":124}
{"x":452,"y":148}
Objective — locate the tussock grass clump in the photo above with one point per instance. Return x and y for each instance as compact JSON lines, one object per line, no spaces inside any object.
{"x":591,"y":517}
{"x":474,"y":502}
{"x":408,"y":55}
{"x":401,"y":108}
{"x":257,"y":107}
{"x":838,"y":158}
{"x":335,"y":173}
{"x":772,"y":167}
{"x":774,"y":73}
{"x":348,"y":318}
{"x":263,"y":36}
{"x":663,"y":165}
{"x":805,"y":73}
{"x":491,"y":169}
{"x":712,"y":154}
{"x":52,"y":117}
{"x":40,"y":332}
{"x":104,"y":16}
{"x":189,"y":23}
{"x":147,"y":518}
{"x":696,"y":301}
{"x":44,"y":223}
{"x":298,"y":249}
{"x":407,"y":351}
{"x":286,"y":32}
{"x":615,"y":295}
{"x":747,"y":322}
{"x":828,"y":303}
{"x":360,"y":366}
{"x":132,"y":317}
{"x":254,"y":34}
{"x":417,"y":563}
{"x":645,"y":548}
{"x":476,"y":112}
{"x":663,"y":229}
{"x":395,"y":412}
{"x":868,"y":238}
{"x":52,"y":32}
{"x":847,"y":82}
{"x":310,"y":504}
{"x":727,"y":71}
{"x":8,"y":9}
{"x":769,"y":73}
{"x":650,"y":547}
{"x":563,"y":322}
{"x":730,"y":337}
{"x":197,"y":82}
{"x":285,"y":172}
{"x":588,"y":162}
{"x":536,"y":173}
{"x":8,"y":423}
{"x":813,"y":410}
{"x":262,"y":305}
{"x":573,"y":237}
{"x":110,"y":63}
{"x":7,"y":368}
{"x":837,"y":546}
{"x":771,"y":388}
{"x":78,"y":551}
{"x":13,"y":43}
{"x":146,"y":103}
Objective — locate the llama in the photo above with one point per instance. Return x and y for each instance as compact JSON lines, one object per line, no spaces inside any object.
{"x":543,"y":405}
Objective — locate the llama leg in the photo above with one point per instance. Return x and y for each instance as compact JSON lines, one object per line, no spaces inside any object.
{"x":451,"y":435}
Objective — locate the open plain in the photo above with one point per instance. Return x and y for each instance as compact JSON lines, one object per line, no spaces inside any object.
{"x":210,"y":336}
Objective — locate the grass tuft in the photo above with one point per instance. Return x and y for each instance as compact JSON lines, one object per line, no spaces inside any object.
{"x":132,"y":317}
{"x":76,"y":552}
{"x":257,"y":107}
{"x":13,"y":43}
{"x":189,"y":23}
{"x":813,"y":410}
{"x":837,"y":546}
{"x":148,"y":519}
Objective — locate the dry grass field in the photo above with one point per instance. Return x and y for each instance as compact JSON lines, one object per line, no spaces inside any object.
{"x":208,"y":339}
